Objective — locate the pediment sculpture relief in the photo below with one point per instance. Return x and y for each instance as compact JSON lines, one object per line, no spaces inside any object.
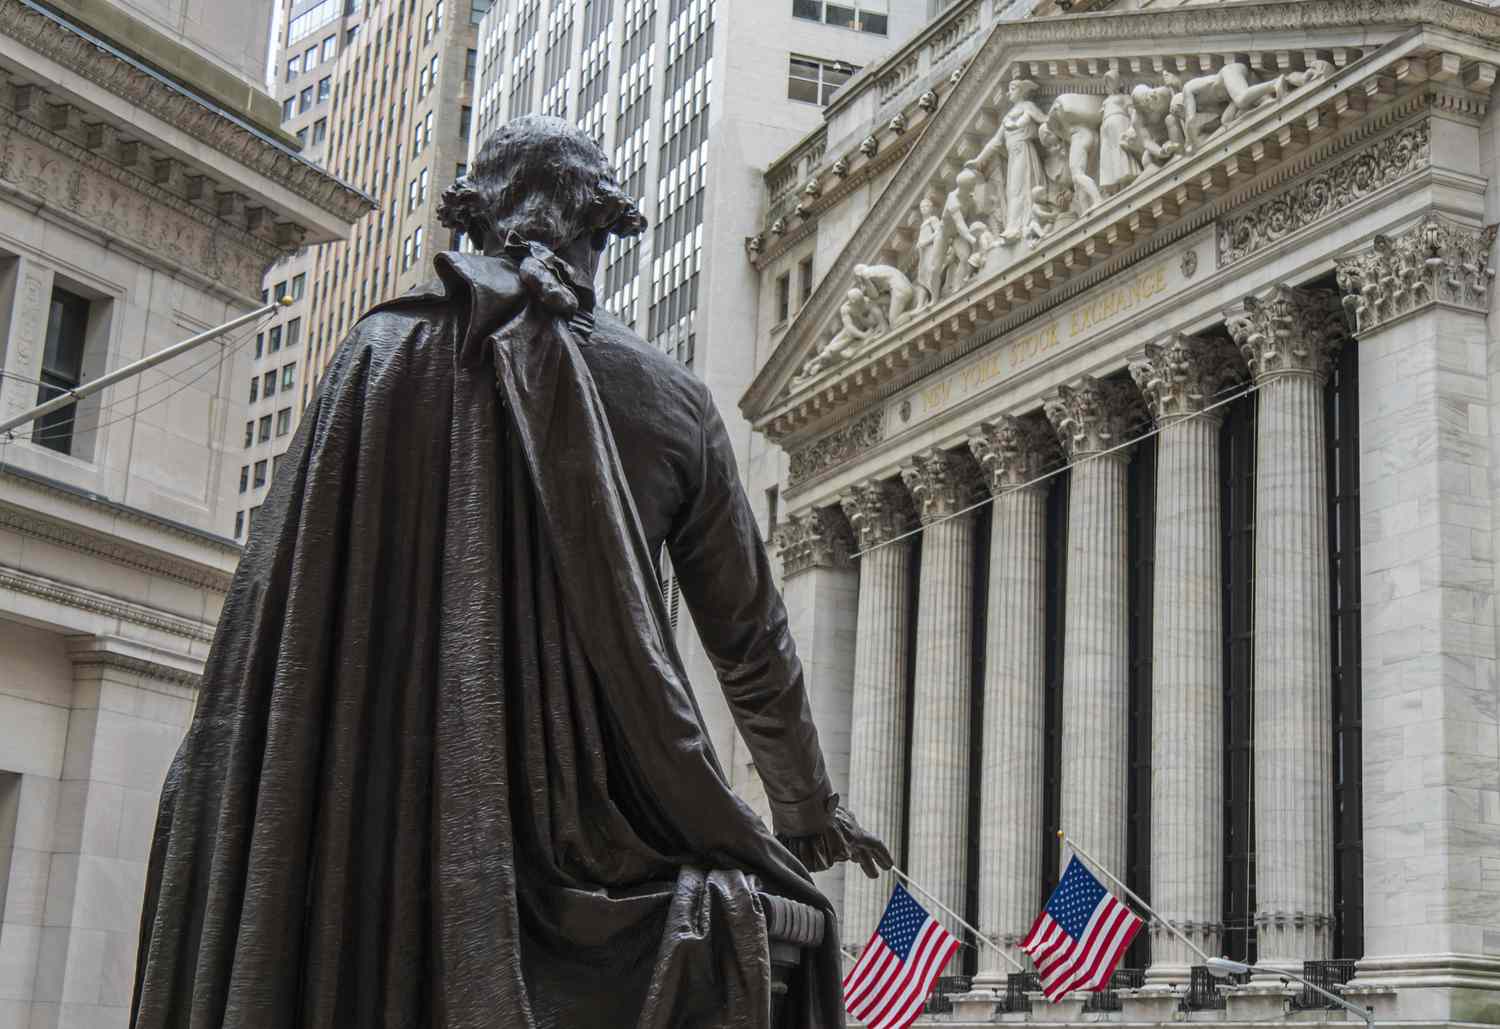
{"x":1042,"y":169}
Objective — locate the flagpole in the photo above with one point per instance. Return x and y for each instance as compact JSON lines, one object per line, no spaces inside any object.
{"x":1068,"y":840}
{"x":954,"y":915}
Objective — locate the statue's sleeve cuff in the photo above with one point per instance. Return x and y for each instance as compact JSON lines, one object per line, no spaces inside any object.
{"x":805,"y":817}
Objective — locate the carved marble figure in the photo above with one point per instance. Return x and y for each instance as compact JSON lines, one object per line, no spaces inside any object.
{"x":962,"y":233}
{"x":1076,"y":119}
{"x":1232,"y":90}
{"x":859,"y":320}
{"x":446,"y":767}
{"x":929,"y":258}
{"x":1017,"y":138}
{"x":1155,"y":135}
{"x":875,"y":279}
{"x":1118,"y":165}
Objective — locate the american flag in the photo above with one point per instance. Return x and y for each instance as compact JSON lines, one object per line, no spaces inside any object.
{"x":888,"y":985}
{"x":1080,"y":936}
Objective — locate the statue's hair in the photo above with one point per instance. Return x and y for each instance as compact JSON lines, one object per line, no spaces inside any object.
{"x":544,"y":180}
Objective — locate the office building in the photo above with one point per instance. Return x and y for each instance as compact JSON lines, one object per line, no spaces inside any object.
{"x":145,"y":186}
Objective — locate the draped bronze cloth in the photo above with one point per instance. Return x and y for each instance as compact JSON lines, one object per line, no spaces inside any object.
{"x":446,"y":769}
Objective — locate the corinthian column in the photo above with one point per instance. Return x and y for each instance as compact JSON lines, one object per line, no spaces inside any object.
{"x":1179,"y":380}
{"x":878,"y":512}
{"x":1090,"y":419}
{"x":1012,"y":452}
{"x":942,"y":483}
{"x":820,"y":587}
{"x":1285,"y":335}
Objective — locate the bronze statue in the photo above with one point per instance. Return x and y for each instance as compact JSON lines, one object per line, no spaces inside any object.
{"x":446,"y":769}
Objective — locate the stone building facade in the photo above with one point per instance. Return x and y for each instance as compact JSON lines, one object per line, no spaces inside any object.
{"x":1132,"y":468}
{"x":144,"y":189}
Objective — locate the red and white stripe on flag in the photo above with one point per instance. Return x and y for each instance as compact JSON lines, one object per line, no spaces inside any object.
{"x":888,"y":985}
{"x":1066,"y":963}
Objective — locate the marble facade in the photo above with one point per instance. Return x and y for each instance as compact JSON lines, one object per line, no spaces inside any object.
{"x":1112,"y":225}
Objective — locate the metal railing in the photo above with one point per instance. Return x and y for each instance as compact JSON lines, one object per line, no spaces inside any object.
{"x":1017,"y":987}
{"x":1203,"y":990}
{"x":1108,"y":999}
{"x":940,"y":1001}
{"x":1330,"y":975}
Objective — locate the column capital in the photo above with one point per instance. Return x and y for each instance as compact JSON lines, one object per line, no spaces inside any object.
{"x":816,"y":538}
{"x":941,"y":483}
{"x":1013,"y":451}
{"x":1182,"y":374}
{"x":1287,"y":331}
{"x":878,"y":511}
{"x":1436,"y":260}
{"x":1092,"y":416}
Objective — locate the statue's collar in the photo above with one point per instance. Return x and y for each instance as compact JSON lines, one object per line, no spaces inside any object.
{"x":489,"y":290}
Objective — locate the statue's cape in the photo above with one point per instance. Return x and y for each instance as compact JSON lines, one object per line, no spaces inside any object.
{"x":446,"y":769}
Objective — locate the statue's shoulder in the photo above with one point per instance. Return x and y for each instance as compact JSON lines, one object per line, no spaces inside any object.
{"x":622,"y":361}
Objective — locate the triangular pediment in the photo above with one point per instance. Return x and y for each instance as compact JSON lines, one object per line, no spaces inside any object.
{"x":1150,"y":125}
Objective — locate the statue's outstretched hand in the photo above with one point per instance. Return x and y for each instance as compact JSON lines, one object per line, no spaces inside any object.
{"x":843,"y":840}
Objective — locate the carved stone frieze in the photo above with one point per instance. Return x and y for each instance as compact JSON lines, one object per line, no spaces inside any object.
{"x":878,"y":511}
{"x":1013,"y":451}
{"x":161,"y":98}
{"x":1093,"y":416}
{"x":1318,"y":196}
{"x":941,"y":483}
{"x":1434,"y":261}
{"x":833,"y":449}
{"x":97,"y":603}
{"x":1288,"y":331}
{"x":49,"y":169}
{"x":817,"y":538}
{"x":1184,"y":374}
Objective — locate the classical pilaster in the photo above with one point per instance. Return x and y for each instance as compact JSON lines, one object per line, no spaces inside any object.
{"x":1012,"y":452}
{"x":1285,"y":335}
{"x":1428,"y":464}
{"x":942,"y":484}
{"x":820,"y":587}
{"x":1091,"y":420}
{"x":878,"y":512}
{"x":1180,"y":380}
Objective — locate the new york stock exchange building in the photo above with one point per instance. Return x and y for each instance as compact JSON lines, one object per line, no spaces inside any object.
{"x":1126,"y":411}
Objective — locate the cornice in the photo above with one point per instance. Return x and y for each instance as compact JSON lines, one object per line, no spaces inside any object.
{"x":1264,"y":148}
{"x":112,"y":549}
{"x":93,"y":59}
{"x":88,"y":600}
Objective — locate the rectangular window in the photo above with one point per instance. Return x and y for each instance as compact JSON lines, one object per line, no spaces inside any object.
{"x":804,"y":279}
{"x":260,"y":474}
{"x":293,"y":67}
{"x":255,"y":389}
{"x":465,"y":120}
{"x":301,"y":137}
{"x":320,"y":131}
{"x":783,"y":297}
{"x":275,"y":338}
{"x":260,"y":345}
{"x":244,"y":477}
{"x":858,"y":16}
{"x":330,"y":47}
{"x":325,"y":86}
{"x":305,"y":101}
{"x":471,"y":61}
{"x":239,"y":524}
{"x":422,"y":187}
{"x":289,"y":108}
{"x":299,"y":285}
{"x":268,"y":387}
{"x":813,"y":81}
{"x":280,"y":290}
{"x":263,"y":429}
{"x":62,"y":368}
{"x":477,"y":10}
{"x":288,"y":377}
{"x":417,"y":245}
{"x":294,"y":332}
{"x":283,"y":421}
{"x":249,"y":434}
